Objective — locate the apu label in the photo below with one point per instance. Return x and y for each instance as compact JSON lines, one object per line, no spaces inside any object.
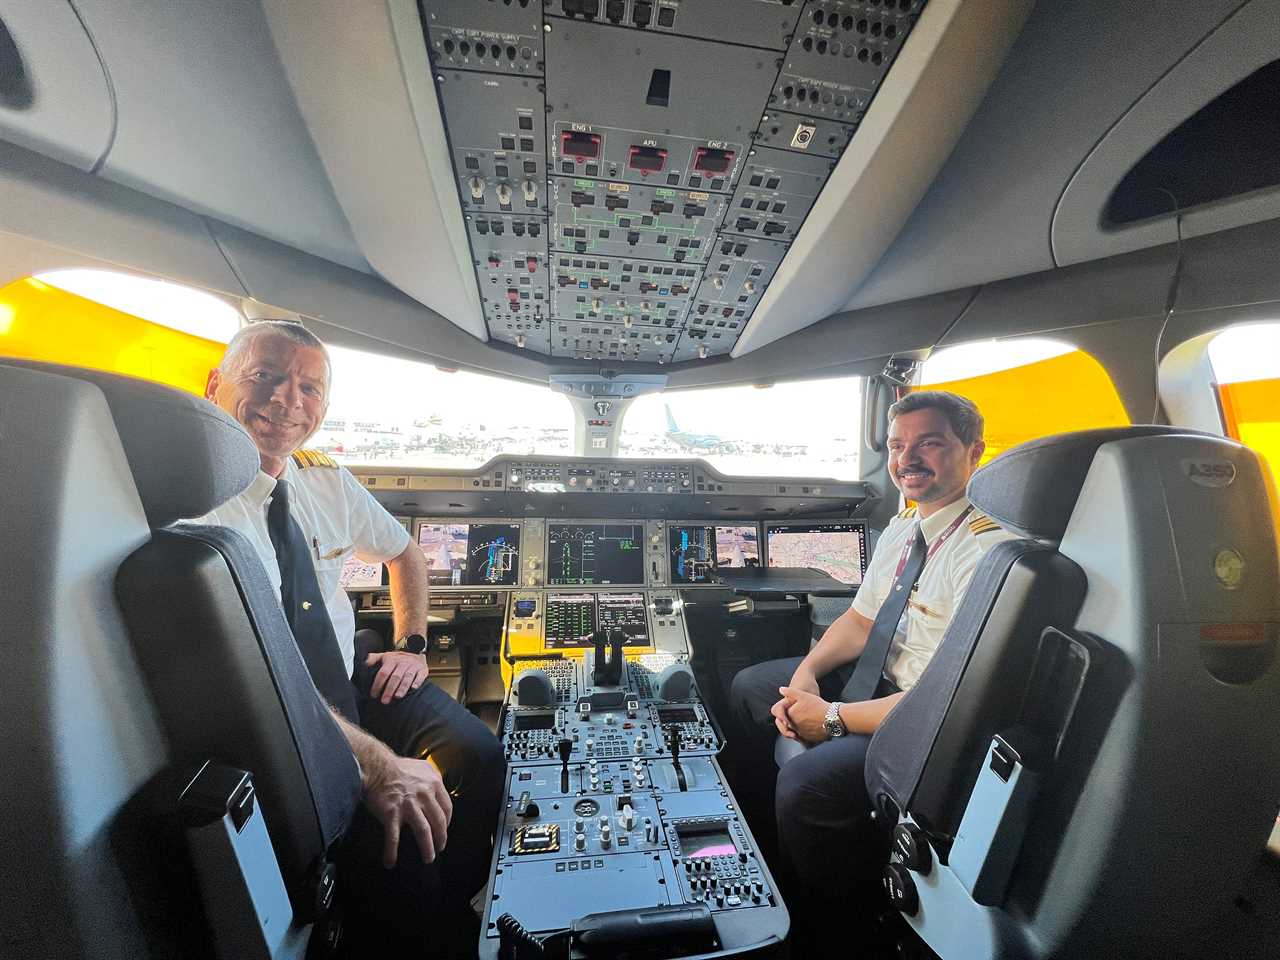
{"x":1210,"y":473}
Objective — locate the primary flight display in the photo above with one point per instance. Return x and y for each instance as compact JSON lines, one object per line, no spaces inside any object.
{"x":471,"y":554}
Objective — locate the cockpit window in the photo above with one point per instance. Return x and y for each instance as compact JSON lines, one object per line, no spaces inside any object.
{"x":1246,"y":369}
{"x":385,"y":410}
{"x":1026,"y":388}
{"x":808,"y":429}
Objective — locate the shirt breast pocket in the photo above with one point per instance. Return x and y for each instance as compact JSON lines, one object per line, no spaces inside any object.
{"x":931,"y":612}
{"x":329,"y":559}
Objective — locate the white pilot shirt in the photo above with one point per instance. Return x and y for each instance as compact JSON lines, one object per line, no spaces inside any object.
{"x":939,"y":590}
{"x":337,"y":516}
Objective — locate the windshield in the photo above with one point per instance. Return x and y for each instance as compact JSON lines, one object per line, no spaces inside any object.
{"x":807,"y":429}
{"x":388,"y":411}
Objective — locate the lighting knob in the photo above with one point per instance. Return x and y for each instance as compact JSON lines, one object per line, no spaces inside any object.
{"x":530,"y":190}
{"x":910,"y":842}
{"x":580,"y":842}
{"x":504,"y":194}
{"x":597,"y":305}
{"x":901,"y":889}
{"x":749,"y":286}
{"x":477,"y":188}
{"x":628,"y":817}
{"x":573,"y":481}
{"x":717,"y":282}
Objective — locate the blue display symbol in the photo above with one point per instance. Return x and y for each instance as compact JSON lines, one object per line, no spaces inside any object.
{"x":582,"y":284}
{"x":663,"y":292}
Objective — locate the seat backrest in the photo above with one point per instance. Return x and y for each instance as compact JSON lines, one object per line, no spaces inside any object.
{"x":926,"y":755}
{"x":82,"y":740}
{"x":144,"y":649}
{"x":1146,"y":755}
{"x":1168,"y":785}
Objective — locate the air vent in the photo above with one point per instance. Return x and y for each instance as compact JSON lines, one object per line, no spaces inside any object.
{"x":16,"y":92}
{"x":1225,"y":149}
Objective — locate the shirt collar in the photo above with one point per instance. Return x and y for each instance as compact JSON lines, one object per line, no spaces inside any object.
{"x":260,"y":490}
{"x":933,"y":525}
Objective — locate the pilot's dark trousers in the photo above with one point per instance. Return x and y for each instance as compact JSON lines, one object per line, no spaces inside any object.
{"x":423,"y":901}
{"x":821,"y":795}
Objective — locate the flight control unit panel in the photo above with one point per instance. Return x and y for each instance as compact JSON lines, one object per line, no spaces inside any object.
{"x":618,"y":816}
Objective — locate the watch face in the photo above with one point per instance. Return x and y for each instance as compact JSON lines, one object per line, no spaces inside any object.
{"x":415,"y":643}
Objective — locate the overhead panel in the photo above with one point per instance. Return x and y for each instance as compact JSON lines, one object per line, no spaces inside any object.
{"x":497,"y":141}
{"x":632,"y":172}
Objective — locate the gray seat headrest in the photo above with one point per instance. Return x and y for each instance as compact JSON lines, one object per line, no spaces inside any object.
{"x":1032,"y":488}
{"x":187,"y":456}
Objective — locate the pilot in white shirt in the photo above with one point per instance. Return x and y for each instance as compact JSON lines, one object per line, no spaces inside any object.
{"x":338,"y":517}
{"x":941,"y":586}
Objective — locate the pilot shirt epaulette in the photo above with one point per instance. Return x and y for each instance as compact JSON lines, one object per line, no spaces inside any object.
{"x":907,"y":514}
{"x":313,"y":458}
{"x":981,"y":523}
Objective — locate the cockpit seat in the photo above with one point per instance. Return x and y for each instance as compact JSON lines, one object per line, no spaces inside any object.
{"x":147,"y":648}
{"x":1080,"y":770}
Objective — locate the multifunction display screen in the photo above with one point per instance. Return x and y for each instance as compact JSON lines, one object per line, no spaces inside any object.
{"x":471,"y":554}
{"x":595,"y":554}
{"x":839,"y":549}
{"x":573,"y":618}
{"x":697,"y":551}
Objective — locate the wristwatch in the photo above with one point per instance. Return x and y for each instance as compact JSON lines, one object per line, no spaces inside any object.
{"x":413,"y":643}
{"x":834,"y":725}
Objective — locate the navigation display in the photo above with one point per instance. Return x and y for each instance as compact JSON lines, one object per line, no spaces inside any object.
{"x":595,"y":553}
{"x":839,"y":549}
{"x":358,"y":575}
{"x":573,"y":618}
{"x":697,"y":551}
{"x":471,"y":554}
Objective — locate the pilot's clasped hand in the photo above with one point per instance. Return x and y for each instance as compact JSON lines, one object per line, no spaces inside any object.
{"x":409,"y":794}
{"x":804,"y":713}
{"x":398,"y":672}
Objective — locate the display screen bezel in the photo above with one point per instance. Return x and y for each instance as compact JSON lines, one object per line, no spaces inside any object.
{"x":470,"y":523}
{"x":595,"y":596}
{"x":638,"y":524}
{"x":673,"y":526}
{"x":836,"y":526}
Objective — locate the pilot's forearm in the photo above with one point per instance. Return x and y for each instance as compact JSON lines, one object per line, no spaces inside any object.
{"x":866,"y":717}
{"x":373,"y":756}
{"x":410,"y":591}
{"x":843,"y":642}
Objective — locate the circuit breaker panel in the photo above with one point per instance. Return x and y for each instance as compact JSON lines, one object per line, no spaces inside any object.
{"x":632,"y":172}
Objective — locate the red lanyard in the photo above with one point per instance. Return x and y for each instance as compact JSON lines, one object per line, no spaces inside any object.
{"x":935,"y":547}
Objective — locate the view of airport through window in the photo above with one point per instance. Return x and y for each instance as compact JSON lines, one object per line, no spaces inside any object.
{"x":807,"y":429}
{"x":384,"y":410}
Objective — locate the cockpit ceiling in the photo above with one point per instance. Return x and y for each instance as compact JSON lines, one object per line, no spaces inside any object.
{"x":632,"y":174}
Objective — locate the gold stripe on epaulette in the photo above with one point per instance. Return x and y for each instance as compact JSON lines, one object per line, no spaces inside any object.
{"x":907,"y":514}
{"x":981,"y":524}
{"x":313,"y":458}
